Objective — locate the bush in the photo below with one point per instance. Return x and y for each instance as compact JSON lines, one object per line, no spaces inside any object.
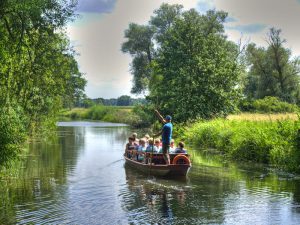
{"x":268,"y":105}
{"x":97,"y":112}
{"x":273,"y":105}
{"x":12,"y":134}
{"x":113,"y":114}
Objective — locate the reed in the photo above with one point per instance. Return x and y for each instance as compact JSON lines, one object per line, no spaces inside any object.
{"x":271,"y":141}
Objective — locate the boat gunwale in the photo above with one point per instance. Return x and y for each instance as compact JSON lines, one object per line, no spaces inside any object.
{"x":160,"y":169}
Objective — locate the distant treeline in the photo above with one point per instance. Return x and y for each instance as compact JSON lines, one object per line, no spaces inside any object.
{"x":123,"y":100}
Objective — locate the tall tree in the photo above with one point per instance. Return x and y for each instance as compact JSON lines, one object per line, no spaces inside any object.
{"x":144,"y":40}
{"x":37,"y":65}
{"x":38,"y":70}
{"x":273,"y":72}
{"x":196,"y":71}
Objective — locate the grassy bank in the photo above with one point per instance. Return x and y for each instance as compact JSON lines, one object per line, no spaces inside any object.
{"x":115,"y":114}
{"x":271,"y":141}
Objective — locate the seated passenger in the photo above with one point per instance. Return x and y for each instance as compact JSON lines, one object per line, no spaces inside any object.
{"x":180,"y":148}
{"x":136,"y":140}
{"x":141,"y":150}
{"x":172,"y":147}
{"x":143,"y":145}
{"x":129,"y":146}
{"x":151,"y":148}
{"x":158,"y":146}
{"x":147,"y":137}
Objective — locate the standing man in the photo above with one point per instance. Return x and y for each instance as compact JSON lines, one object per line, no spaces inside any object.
{"x":166,"y":134}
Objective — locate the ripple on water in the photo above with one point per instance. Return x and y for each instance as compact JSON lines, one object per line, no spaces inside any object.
{"x":40,"y":212}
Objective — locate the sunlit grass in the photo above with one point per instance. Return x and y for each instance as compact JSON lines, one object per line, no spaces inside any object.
{"x":263,"y":117}
{"x":270,"y":139}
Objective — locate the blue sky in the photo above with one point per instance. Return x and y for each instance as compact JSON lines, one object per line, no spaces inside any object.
{"x":98,"y":33}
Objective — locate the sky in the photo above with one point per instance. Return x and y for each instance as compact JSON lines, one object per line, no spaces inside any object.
{"x":98,"y":32}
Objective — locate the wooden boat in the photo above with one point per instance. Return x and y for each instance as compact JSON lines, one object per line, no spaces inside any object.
{"x":180,"y":165}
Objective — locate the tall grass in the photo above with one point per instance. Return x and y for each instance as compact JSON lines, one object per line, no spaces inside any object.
{"x":271,"y":142}
{"x":263,"y":116}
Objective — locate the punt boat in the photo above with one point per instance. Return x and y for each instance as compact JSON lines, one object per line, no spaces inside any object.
{"x":180,"y":164}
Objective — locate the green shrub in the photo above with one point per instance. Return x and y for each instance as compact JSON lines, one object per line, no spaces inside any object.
{"x":97,"y":112}
{"x":12,"y":134}
{"x":267,"y":105}
{"x":113,"y":114}
{"x":273,"y":105}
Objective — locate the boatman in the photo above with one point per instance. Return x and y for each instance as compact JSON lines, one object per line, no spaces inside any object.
{"x":166,"y":134}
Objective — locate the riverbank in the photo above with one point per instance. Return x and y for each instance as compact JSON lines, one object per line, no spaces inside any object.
{"x":114,"y":114}
{"x":271,"y":140}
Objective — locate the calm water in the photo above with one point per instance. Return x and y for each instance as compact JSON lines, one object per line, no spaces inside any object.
{"x":80,"y":178}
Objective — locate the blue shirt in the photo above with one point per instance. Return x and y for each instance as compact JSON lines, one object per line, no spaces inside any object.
{"x":151,"y":148}
{"x":180,"y":150}
{"x":167,"y":133}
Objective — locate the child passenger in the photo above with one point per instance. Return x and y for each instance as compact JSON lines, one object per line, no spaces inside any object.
{"x":142,"y":147}
{"x":141,"y":150}
{"x":172,"y":147}
{"x":151,"y":148}
{"x":157,"y":145}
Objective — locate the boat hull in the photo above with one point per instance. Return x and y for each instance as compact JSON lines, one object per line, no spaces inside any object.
{"x":159,"y":169}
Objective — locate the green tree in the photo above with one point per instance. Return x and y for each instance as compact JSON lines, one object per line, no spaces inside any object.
{"x":124,"y":100}
{"x":38,"y":70}
{"x":273,"y":72}
{"x":196,"y":72}
{"x":144,"y":40}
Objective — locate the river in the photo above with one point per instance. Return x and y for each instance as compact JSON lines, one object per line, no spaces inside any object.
{"x":80,"y":178}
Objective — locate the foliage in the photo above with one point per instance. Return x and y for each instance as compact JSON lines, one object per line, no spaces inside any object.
{"x":184,"y":57}
{"x":273,"y":105}
{"x":273,"y":142}
{"x":268,"y":104}
{"x":38,"y":70}
{"x":115,"y":114}
{"x":273,"y":72}
{"x":12,"y":133}
{"x":123,"y":100}
{"x":145,"y":115}
{"x":141,"y":42}
{"x":196,"y":68}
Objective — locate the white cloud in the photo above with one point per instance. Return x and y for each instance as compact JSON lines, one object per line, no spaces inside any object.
{"x":99,"y":36}
{"x":280,"y":14}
